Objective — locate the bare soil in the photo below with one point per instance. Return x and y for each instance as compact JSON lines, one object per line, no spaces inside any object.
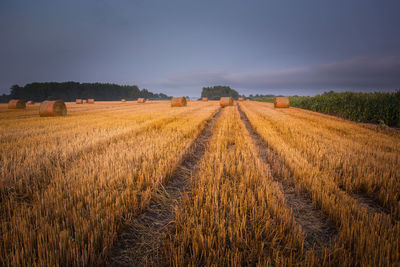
{"x":369,"y":203}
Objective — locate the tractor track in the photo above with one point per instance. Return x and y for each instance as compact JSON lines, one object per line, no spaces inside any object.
{"x":139,"y":241}
{"x":319,"y":231}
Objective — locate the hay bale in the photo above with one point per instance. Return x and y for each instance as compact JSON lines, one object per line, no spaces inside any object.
{"x":52,"y":108}
{"x":281,"y":102}
{"x":16,"y":104}
{"x":141,"y":100}
{"x":178,"y":102}
{"x":123,"y":100}
{"x":30,"y":102}
{"x":240,"y":99}
{"x":90,"y":101}
{"x":78,"y":101}
{"x":205,"y":99}
{"x":226,"y":101}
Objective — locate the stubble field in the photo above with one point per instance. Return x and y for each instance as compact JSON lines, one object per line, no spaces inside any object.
{"x":127,"y":184}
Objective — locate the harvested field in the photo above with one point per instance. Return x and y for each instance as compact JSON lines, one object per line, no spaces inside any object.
{"x":248,"y":184}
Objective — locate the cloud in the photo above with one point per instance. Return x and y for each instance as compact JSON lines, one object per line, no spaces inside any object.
{"x":360,"y":73}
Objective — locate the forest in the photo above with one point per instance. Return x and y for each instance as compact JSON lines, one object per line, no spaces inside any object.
{"x":69,"y":91}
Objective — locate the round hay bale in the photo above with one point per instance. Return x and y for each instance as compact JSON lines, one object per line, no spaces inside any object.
{"x":240,"y":99}
{"x":30,"y":102}
{"x":79,"y":101}
{"x":52,"y":108}
{"x":90,"y":101}
{"x":226,"y":101}
{"x":141,"y":100}
{"x":281,"y":102}
{"x":205,"y":99}
{"x":123,"y":100}
{"x":178,"y":102}
{"x":16,"y":104}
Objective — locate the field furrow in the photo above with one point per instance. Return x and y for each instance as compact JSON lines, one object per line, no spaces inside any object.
{"x":364,"y":169}
{"x":358,"y":227}
{"x":319,"y":231}
{"x":139,"y":241}
{"x":235,"y":214}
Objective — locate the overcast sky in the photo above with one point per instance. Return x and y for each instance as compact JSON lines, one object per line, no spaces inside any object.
{"x":177,"y":47}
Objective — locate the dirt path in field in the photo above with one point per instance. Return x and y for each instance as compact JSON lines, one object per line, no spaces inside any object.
{"x":318,"y":229}
{"x":371,"y":205}
{"x":138,"y":244}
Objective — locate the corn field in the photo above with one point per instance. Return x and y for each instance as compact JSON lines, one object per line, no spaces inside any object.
{"x":383,"y":108}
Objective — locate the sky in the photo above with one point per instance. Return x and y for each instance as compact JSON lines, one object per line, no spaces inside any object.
{"x":287,"y":47}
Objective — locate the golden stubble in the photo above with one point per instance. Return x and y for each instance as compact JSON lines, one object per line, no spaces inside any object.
{"x":236,"y":214}
{"x":68,"y":184}
{"x":332,"y":159}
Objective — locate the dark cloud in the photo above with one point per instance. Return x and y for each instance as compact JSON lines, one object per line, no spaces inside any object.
{"x":360,"y":73}
{"x":297,"y":47}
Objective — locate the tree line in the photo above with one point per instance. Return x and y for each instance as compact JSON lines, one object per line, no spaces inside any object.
{"x":69,"y":91}
{"x":218,"y":91}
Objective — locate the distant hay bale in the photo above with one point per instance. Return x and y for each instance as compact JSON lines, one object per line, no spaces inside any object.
{"x":240,"y":99}
{"x":79,"y":101}
{"x":178,"y":102}
{"x":123,"y":100}
{"x":30,"y":102}
{"x":84,"y":101}
{"x":90,"y":101}
{"x":281,"y":102}
{"x":226,"y":101}
{"x":205,"y":99}
{"x":141,"y":100}
{"x":16,"y":104}
{"x":52,"y":108}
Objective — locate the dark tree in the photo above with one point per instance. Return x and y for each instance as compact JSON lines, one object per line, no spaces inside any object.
{"x":69,"y":91}
{"x":216,"y":92}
